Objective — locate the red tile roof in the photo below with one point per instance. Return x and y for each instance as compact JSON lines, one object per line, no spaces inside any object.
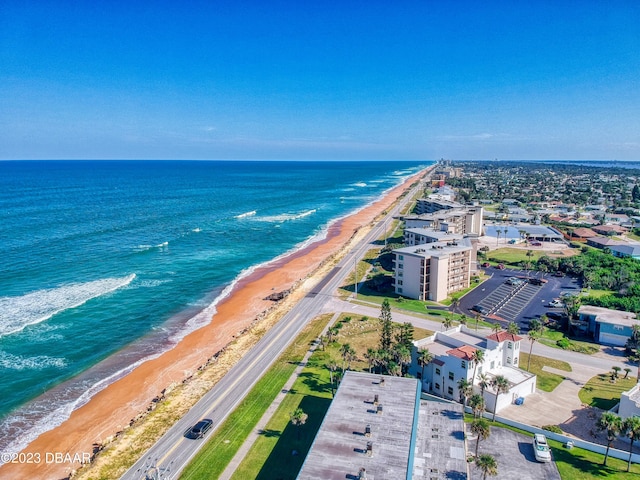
{"x":502,"y":336}
{"x":465,"y":352}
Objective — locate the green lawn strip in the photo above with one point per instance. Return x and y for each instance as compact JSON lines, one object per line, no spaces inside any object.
{"x":577,"y":463}
{"x":513,"y":256}
{"x":280,"y":451}
{"x":226,"y":440}
{"x":551,"y":337}
{"x":602,"y":393}
{"x":546,"y":381}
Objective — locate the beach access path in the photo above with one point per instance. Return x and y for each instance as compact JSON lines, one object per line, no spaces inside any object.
{"x":173,"y":451}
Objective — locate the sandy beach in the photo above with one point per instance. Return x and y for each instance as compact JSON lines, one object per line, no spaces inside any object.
{"x":112,"y":409}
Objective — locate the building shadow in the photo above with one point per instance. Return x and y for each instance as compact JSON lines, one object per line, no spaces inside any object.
{"x":294,"y":442}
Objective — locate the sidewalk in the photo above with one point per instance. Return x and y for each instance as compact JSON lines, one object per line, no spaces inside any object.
{"x":260,"y":426}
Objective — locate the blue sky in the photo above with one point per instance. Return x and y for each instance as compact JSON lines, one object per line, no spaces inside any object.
{"x":327,"y":79}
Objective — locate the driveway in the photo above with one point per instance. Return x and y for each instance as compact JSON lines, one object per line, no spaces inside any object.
{"x":514,"y":455}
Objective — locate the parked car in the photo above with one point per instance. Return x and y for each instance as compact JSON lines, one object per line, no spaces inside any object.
{"x":538,"y":281}
{"x":199,"y":429}
{"x":536,"y":244}
{"x":558,"y":274}
{"x":514,"y":281}
{"x":486,"y":264}
{"x":500,"y":266}
{"x":541,"y":448}
{"x":480,"y":309}
{"x":555,"y":303}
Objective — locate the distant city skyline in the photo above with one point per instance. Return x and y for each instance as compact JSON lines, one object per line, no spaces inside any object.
{"x":343,"y":80}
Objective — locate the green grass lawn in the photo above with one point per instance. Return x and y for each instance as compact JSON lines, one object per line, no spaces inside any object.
{"x":225,"y":441}
{"x":312,"y":393}
{"x":551,"y":337}
{"x":272,"y":455}
{"x":513,"y":256}
{"x":546,"y":381}
{"x":602,"y":393}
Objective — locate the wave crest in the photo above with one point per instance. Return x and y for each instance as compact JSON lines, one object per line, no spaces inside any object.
{"x":286,"y":217}
{"x":16,"y":313}
{"x":246,"y":214}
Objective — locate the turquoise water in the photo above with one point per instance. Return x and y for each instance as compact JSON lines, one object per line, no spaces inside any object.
{"x":104,"y":264}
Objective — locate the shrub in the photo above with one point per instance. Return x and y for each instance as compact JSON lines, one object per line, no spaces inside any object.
{"x":563,"y":343}
{"x":552,"y":428}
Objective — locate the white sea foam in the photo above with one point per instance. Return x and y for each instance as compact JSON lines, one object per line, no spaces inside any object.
{"x":286,"y":217}
{"x":246,"y":214}
{"x":15,"y":362}
{"x":50,"y":419}
{"x":359,"y":184}
{"x":196,"y":230}
{"x":145,"y":247}
{"x":16,"y":313}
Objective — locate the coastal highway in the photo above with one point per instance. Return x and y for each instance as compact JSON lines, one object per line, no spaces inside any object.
{"x":170,"y":455}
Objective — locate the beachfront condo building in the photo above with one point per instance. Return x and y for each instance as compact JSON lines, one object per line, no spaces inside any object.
{"x":432,"y":271}
{"x":461,"y":221}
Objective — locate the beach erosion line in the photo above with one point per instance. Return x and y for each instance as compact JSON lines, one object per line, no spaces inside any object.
{"x":251,"y":274}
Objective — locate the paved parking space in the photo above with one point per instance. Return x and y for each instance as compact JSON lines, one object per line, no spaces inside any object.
{"x":514,"y":454}
{"x":517,"y":303}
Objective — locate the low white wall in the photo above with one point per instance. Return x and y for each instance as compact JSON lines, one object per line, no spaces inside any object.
{"x":592,"y":447}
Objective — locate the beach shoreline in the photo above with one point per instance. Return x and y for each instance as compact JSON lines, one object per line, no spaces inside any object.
{"x":113,"y":409}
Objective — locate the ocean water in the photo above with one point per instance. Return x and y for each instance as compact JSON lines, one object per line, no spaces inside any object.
{"x":104,"y":264}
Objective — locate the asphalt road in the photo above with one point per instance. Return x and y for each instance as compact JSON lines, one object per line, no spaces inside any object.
{"x":171,"y":454}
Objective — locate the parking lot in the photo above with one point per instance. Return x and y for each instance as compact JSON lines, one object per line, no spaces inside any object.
{"x":501,"y":299}
{"x":514,"y":454}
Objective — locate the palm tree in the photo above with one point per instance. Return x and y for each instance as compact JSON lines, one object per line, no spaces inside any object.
{"x":465,"y":387}
{"x":631,"y":428}
{"x":476,"y":402}
{"x":616,"y":372}
{"x":478,"y":317}
{"x":402,"y":356}
{"x":483,"y":382}
{"x":498,"y":232}
{"x":476,"y":358}
{"x":501,"y":385}
{"x":425,"y":357}
{"x":348,"y":354}
{"x":513,"y":328}
{"x":627,"y":371}
{"x":447,"y":323}
{"x":496,"y":327}
{"x":487,"y":465}
{"x":535,"y":332}
{"x":481,"y":428}
{"x":370,"y":356}
{"x":612,"y":423}
{"x":298,"y":418}
{"x":332,"y":366}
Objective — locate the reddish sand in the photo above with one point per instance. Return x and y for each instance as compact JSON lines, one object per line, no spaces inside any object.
{"x":111,"y":410}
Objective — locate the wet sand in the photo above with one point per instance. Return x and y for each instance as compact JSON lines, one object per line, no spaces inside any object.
{"x":112,"y":409}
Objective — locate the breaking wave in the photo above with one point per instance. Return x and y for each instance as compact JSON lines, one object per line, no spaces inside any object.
{"x":16,"y":313}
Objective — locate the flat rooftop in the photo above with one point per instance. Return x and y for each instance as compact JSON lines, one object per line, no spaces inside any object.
{"x":606,"y":315}
{"x":440,"y":450}
{"x":339,"y":450}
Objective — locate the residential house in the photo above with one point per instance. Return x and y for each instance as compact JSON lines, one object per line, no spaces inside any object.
{"x":453,"y":353}
{"x":630,"y":403}
{"x":609,"y":327}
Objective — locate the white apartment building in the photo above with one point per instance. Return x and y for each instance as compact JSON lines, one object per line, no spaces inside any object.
{"x":463,"y":221}
{"x":432,"y":271}
{"x":453,"y":352}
